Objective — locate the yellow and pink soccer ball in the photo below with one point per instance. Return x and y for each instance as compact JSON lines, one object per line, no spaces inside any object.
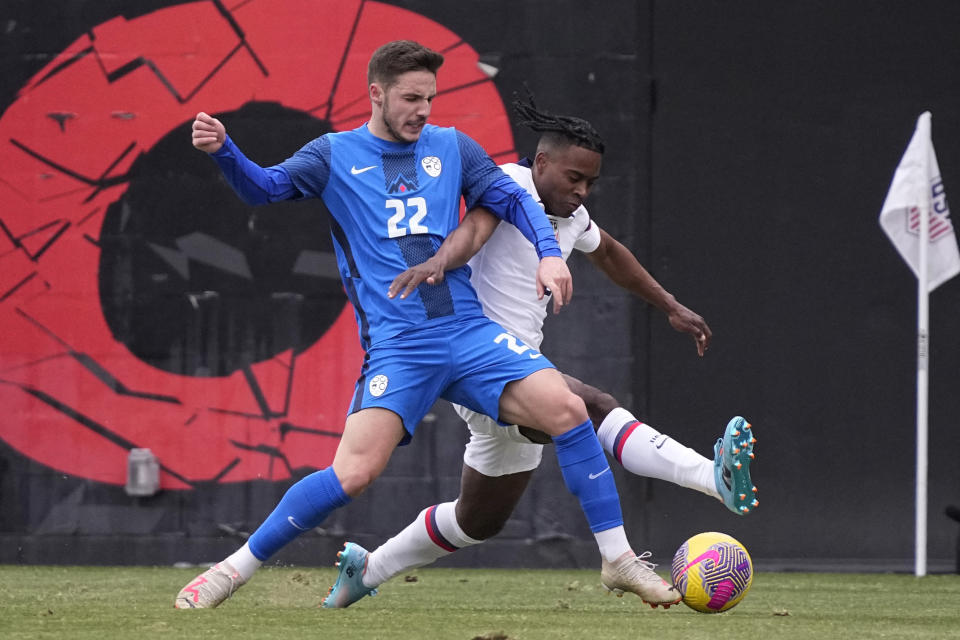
{"x":712,"y":571}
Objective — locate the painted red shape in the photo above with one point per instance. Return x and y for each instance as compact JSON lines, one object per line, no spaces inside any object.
{"x":126,"y":84}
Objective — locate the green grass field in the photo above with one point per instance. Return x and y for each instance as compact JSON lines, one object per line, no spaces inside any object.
{"x":464,"y":604}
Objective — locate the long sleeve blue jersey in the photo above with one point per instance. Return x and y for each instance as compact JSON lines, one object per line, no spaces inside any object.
{"x":392,"y":204}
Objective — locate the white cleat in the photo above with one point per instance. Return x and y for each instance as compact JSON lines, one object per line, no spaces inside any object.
{"x":210,"y":588}
{"x":636,"y":574}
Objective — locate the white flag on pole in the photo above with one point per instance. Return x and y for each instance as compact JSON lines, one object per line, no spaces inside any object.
{"x":916,"y":188}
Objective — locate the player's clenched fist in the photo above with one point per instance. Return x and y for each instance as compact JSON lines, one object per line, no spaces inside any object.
{"x":209,"y":133}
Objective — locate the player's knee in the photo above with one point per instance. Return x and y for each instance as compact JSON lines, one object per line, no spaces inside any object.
{"x":565,"y":412}
{"x":599,"y":404}
{"x":355,"y":480}
{"x":572,"y":411}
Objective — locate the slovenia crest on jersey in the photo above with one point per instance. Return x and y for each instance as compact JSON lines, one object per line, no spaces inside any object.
{"x":378,"y":385}
{"x":431,"y":164}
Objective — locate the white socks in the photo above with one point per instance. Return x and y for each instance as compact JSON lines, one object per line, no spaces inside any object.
{"x":435,"y":533}
{"x":612,"y":542}
{"x":646,"y":452}
{"x":432,"y":535}
{"x":244,"y":562}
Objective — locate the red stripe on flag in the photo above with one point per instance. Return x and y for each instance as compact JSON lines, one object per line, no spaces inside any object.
{"x":939,"y":226}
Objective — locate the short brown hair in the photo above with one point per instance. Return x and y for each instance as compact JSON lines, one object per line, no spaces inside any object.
{"x":400,"y":56}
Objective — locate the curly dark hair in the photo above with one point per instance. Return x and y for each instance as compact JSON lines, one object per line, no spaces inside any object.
{"x":559,"y":130}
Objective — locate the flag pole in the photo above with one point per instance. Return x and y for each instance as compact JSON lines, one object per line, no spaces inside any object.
{"x":923,"y":364}
{"x":915,"y":196}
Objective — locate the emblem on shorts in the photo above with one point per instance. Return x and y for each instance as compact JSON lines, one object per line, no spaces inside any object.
{"x":431,"y":164}
{"x":378,"y":385}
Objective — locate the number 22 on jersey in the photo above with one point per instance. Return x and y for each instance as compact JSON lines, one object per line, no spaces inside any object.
{"x":399,"y":224}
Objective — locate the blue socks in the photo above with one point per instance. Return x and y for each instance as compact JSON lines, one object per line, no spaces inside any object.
{"x":308,"y":502}
{"x":589,"y":477}
{"x":304,"y":506}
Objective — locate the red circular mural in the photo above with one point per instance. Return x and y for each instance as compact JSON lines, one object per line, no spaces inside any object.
{"x":78,"y":391}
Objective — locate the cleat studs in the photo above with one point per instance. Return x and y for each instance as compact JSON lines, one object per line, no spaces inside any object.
{"x":743,"y":496}
{"x":752,"y":456}
{"x":738,"y":465}
{"x":747,"y":425}
{"x":755,"y":503}
{"x":754,"y":489}
{"x":735,"y":433}
{"x":753,"y":440}
{"x":736,"y":451}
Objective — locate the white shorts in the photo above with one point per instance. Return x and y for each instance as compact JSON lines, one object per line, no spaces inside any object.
{"x":496,"y":450}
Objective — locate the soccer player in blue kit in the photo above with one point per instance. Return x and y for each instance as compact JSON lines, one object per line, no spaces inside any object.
{"x":498,"y":462}
{"x":392,"y":187}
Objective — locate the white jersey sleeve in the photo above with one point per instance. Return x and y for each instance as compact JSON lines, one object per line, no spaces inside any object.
{"x":589,"y":240}
{"x":504,"y":271}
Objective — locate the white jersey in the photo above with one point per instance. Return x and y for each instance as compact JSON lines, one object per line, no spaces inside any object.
{"x":505,"y":268}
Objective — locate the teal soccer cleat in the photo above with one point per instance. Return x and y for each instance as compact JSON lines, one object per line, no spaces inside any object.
{"x":731,"y":467}
{"x":349,"y":586}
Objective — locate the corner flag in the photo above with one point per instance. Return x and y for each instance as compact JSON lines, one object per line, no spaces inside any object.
{"x":917,"y":190}
{"x":916,"y":218}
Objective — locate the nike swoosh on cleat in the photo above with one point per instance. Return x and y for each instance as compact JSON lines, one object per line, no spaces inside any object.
{"x":594,"y":476}
{"x":356,"y":171}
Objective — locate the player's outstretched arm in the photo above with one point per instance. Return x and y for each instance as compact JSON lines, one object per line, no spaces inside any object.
{"x":462,"y":244}
{"x":253,"y":183}
{"x":621,"y":266}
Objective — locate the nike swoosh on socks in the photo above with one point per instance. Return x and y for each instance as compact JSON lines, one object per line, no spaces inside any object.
{"x":594,"y":476}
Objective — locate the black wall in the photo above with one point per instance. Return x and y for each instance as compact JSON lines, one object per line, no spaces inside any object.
{"x":750,"y":147}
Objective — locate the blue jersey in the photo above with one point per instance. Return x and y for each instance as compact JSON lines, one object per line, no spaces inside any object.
{"x":392,"y":204}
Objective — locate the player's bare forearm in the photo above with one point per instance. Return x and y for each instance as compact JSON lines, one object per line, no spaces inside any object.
{"x":457,"y":248}
{"x":621,"y":266}
{"x":470,"y":235}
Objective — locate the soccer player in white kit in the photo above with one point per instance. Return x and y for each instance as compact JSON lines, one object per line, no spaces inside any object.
{"x":499,"y":460}
{"x":392,"y":187}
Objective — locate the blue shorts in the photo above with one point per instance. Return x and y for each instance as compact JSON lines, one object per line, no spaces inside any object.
{"x":467,"y":361}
